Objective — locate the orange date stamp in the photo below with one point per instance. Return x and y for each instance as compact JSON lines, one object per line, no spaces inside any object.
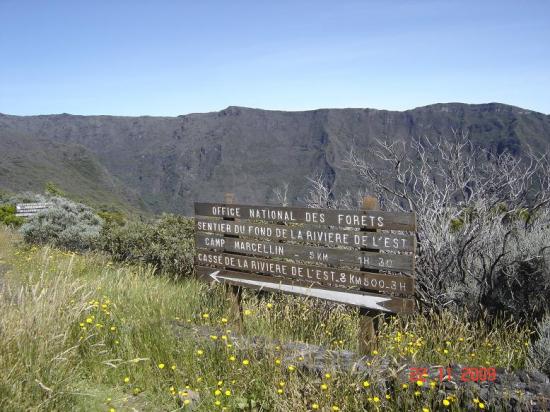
{"x":465,"y":374}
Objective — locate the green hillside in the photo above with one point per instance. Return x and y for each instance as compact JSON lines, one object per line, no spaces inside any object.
{"x":28,"y":164}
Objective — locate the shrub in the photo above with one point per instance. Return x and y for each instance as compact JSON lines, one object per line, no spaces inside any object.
{"x":483,"y":221}
{"x":166,"y":243}
{"x":27,"y":197}
{"x":66,"y":225}
{"x":539,"y":352}
{"x":113,"y":217}
{"x":7,"y":216}
{"x":53,"y":190}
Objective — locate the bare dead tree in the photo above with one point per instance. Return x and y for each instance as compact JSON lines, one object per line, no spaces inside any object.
{"x":483,"y":217}
{"x":320,"y":195}
{"x":281,"y":194}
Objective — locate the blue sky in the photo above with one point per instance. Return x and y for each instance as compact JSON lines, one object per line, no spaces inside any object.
{"x":177,"y":57}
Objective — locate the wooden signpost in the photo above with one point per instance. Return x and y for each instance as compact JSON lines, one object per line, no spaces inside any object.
{"x":30,"y":209}
{"x":363,"y":258}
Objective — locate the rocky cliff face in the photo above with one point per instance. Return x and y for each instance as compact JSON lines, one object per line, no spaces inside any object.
{"x":165,"y":163}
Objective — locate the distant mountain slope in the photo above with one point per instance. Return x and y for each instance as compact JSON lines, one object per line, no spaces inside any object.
{"x":28,"y":163}
{"x":173,"y":161}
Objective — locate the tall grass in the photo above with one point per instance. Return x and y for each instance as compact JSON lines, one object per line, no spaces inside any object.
{"x":78,"y":332}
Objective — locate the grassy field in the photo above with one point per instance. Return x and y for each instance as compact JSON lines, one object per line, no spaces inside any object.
{"x":78,"y":332}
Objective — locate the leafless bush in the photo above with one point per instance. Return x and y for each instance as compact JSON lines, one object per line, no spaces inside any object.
{"x":281,"y":194}
{"x":320,"y":195}
{"x":539,"y":352}
{"x":483,"y":220}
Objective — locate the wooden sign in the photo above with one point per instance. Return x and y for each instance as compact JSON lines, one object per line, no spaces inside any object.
{"x":30,"y":209}
{"x":324,"y":255}
{"x":310,"y":252}
{"x":380,"y":282}
{"x":310,"y":234}
{"x":339,"y":295}
{"x":370,"y":219}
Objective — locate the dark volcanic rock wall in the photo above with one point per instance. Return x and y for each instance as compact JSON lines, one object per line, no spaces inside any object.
{"x":172,"y":162}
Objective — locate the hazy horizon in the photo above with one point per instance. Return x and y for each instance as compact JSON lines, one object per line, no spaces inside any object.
{"x":261,"y":108}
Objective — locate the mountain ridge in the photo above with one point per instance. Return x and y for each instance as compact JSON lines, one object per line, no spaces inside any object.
{"x":164,"y":164}
{"x":286,"y":111}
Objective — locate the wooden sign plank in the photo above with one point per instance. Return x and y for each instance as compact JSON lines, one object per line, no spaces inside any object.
{"x":383,"y":303}
{"x":379,"y":282}
{"x":331,"y":256}
{"x":371,"y":219}
{"x":30,"y":209}
{"x":383,"y":241}
{"x":33,"y":205}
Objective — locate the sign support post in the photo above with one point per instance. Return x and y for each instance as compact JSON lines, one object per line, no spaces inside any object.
{"x":233,"y":292}
{"x":367,"y":328}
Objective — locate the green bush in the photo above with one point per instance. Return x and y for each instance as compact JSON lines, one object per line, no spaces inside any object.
{"x":67,"y":225}
{"x":7,"y":216}
{"x":112,"y":217}
{"x":166,"y":243}
{"x":53,"y":190}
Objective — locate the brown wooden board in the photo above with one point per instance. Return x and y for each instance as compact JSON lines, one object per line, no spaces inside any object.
{"x":379,"y":282}
{"x":323,"y":255}
{"x":384,"y":241}
{"x":383,"y":303}
{"x":372,"y":219}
